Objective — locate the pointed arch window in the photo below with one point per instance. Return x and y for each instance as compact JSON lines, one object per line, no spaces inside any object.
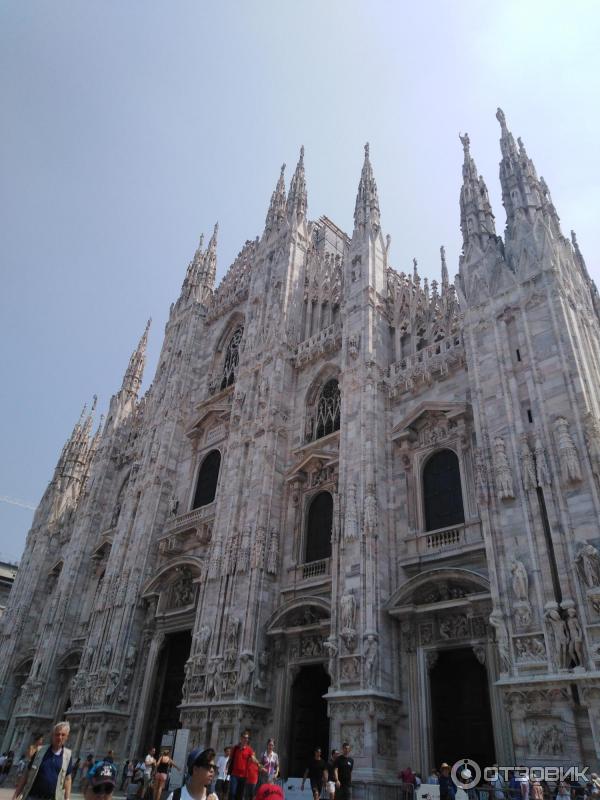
{"x":318,"y":528}
{"x":442,"y":492}
{"x":232,"y":358}
{"x":328,"y":410}
{"x":206,"y":485}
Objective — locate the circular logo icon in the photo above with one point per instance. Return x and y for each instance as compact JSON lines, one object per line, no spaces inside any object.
{"x":466,"y":773}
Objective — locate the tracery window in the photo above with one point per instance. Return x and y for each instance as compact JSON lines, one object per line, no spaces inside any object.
{"x":442,"y":493}
{"x":328,"y":410}
{"x":318,"y":528}
{"x":232,"y":358}
{"x":206,"y":486}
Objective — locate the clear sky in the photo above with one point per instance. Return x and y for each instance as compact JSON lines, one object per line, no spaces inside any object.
{"x":130,"y":127}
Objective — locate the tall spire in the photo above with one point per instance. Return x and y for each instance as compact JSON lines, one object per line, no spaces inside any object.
{"x":277,"y":207}
{"x":366,"y":208}
{"x":445,"y":280}
{"x":476,"y":217}
{"x":208,"y":272}
{"x":523,"y":194}
{"x":135,"y":370}
{"x":74,"y":455}
{"x":191,"y":275}
{"x":297,"y":200}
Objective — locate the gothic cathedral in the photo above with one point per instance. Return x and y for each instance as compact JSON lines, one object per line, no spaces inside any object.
{"x":352,"y":505}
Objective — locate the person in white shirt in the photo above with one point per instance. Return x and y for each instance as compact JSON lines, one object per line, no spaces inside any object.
{"x":222,"y":785}
{"x":202,"y":772}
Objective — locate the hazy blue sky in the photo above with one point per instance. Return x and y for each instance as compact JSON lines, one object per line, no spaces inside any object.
{"x":129,"y":127}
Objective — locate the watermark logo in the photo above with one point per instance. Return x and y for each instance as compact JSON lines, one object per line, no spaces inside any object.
{"x":467,"y":773}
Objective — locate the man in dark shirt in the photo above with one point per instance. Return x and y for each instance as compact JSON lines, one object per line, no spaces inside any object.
{"x":316,"y":772}
{"x":343,"y":774}
{"x":48,"y":776}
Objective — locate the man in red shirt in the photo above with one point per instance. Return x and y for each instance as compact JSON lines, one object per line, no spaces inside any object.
{"x":240,"y":756}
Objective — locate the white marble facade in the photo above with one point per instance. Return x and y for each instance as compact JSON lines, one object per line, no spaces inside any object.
{"x":501,"y":367}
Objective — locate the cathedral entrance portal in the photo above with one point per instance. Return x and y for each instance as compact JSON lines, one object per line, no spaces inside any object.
{"x":309,"y":720}
{"x":460,"y":709}
{"x":168,"y":687}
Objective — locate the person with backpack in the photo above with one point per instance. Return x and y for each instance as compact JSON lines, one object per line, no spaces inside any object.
{"x":202,"y":770}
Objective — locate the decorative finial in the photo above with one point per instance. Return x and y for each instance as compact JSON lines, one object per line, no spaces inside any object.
{"x":367,"y":150}
{"x":415,"y":271}
{"x":201,"y":242}
{"x":148,"y":324}
{"x":94,"y":403}
{"x":574,"y":238}
{"x":501,"y":118}
{"x":302,"y":153}
{"x":521,"y":146}
{"x":465,"y":142}
{"x":282,"y":169}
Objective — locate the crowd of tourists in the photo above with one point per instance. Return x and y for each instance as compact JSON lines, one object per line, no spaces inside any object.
{"x":47,"y":771}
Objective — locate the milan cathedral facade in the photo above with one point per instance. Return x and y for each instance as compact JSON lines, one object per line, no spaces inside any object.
{"x":352,"y":505}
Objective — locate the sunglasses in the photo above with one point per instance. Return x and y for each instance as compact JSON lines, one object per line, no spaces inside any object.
{"x":204,"y":765}
{"x":103,"y":788}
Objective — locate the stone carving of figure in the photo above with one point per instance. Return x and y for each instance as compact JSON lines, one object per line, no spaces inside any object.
{"x":106,"y":654}
{"x":588,"y":561}
{"x":183,"y":589}
{"x":575,"y":638}
{"x":130,"y":656}
{"x":246,"y":670}
{"x":233,"y":632}
{"x":263,"y":393}
{"x":520,"y":581}
{"x":331,"y":648}
{"x":115,"y":515}
{"x":370,"y":511}
{"x":112,"y":683}
{"x":353,"y":346}
{"x":173,"y":505}
{"x":262,"y":672}
{"x":528,"y":464}
{"x":209,"y":684}
{"x":348,"y":609}
{"x":592,"y":438}
{"x":351,"y":522}
{"x":273,"y":554}
{"x":502,"y":469}
{"x":569,"y":459}
{"x":371,"y":656}
{"x":497,"y":621}
{"x":229,"y":562}
{"x":560,"y":636}
{"x":203,"y":639}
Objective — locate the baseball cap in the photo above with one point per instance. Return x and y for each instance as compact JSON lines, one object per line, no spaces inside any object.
{"x":102,"y":772}
{"x":196,"y":753}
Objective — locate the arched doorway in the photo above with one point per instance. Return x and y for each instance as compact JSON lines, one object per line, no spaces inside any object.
{"x":461,"y":715}
{"x":309,"y":723}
